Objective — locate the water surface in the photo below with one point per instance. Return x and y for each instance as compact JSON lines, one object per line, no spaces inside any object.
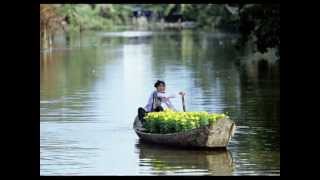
{"x":91,"y":87}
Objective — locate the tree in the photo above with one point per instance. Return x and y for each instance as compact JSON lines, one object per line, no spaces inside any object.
{"x":261,"y":23}
{"x":50,"y":22}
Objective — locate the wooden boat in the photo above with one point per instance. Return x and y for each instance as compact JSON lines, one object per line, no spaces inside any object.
{"x":217,"y":135}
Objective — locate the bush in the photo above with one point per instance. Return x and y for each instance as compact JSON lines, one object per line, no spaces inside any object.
{"x":171,"y":122}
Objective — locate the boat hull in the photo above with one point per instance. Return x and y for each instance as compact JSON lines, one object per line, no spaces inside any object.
{"x":217,"y":135}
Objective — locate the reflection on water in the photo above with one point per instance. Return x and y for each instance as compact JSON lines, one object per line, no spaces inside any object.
{"x":170,"y":161}
{"x":91,"y":86}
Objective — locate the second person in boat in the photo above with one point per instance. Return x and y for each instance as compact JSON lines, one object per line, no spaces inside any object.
{"x":158,"y":100}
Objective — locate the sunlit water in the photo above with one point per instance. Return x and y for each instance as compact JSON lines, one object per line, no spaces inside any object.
{"x":91,"y":87}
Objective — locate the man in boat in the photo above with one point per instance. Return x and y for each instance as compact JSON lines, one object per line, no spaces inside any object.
{"x":158,"y":100}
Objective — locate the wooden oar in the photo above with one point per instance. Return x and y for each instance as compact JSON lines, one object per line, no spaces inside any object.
{"x":183,"y":105}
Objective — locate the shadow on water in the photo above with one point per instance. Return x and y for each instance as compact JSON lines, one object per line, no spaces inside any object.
{"x":166,"y":160}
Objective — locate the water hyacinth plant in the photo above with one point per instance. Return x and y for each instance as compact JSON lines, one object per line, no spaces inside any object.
{"x":169,"y":121}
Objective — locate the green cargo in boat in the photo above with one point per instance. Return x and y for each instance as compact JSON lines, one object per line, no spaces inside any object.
{"x":216,"y":135}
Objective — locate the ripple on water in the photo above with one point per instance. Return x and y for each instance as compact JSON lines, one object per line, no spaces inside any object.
{"x":89,"y":97}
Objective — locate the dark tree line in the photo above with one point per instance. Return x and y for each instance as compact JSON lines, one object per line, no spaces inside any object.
{"x":260,"y":23}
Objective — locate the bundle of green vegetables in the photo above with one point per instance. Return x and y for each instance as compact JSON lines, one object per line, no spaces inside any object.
{"x":169,"y":121}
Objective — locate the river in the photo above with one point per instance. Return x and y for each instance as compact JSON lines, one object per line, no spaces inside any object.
{"x":91,"y":86}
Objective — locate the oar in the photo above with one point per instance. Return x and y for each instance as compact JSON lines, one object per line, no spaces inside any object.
{"x":183,"y":105}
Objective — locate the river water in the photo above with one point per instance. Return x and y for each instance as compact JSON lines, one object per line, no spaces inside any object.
{"x":91,"y":86}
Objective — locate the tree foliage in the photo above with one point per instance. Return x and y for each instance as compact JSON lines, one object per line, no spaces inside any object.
{"x":261,"y":23}
{"x":50,"y":22}
{"x":83,"y":16}
{"x":49,"y":18}
{"x":257,"y":22}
